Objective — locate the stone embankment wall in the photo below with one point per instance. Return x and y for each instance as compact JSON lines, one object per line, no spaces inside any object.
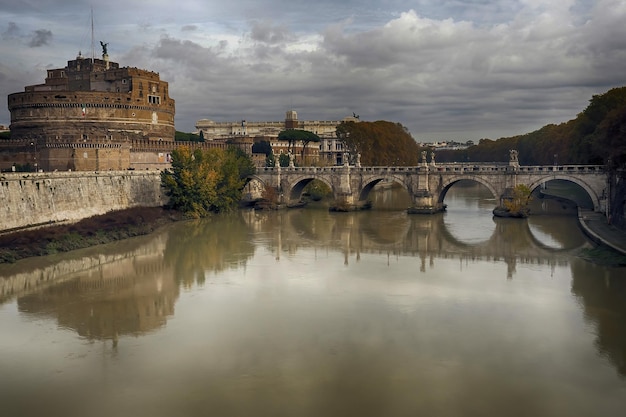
{"x":32,"y":199}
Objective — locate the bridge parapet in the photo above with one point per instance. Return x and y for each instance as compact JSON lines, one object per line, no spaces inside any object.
{"x":581,"y":169}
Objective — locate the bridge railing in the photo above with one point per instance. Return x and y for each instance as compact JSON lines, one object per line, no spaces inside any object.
{"x":450,"y":168}
{"x":570,"y":169}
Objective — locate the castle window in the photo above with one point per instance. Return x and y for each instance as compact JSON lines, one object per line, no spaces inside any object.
{"x":154,"y":99}
{"x":124,"y":81}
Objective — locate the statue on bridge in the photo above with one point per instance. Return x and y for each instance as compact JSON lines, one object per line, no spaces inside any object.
{"x":424,"y":160}
{"x":513,"y":161}
{"x":432,"y":158}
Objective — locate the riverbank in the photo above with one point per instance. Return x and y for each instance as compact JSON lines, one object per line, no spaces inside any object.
{"x":92,"y":231}
{"x":598,"y":229}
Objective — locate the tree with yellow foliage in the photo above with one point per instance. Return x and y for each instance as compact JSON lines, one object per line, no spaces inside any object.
{"x":204,"y":181}
{"x":515,"y":202}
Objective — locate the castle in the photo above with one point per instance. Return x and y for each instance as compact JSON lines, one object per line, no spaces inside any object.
{"x":89,"y":116}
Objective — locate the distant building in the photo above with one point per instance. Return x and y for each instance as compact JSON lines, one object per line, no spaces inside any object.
{"x":448,"y":145}
{"x":329,"y":150}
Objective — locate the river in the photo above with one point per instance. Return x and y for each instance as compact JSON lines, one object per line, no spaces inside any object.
{"x":311,"y":313}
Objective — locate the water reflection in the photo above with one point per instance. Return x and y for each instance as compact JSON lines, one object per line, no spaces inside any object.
{"x":128,"y":291}
{"x":602,"y":293}
{"x":297,"y":312}
{"x":196,"y":248}
{"x":131,"y":287}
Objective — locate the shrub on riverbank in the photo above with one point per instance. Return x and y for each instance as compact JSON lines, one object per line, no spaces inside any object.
{"x":201,"y":182}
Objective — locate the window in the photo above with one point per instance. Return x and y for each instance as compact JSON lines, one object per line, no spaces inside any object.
{"x":154,"y":99}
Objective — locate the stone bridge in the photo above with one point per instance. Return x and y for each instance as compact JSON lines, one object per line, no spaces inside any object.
{"x":428,"y":183}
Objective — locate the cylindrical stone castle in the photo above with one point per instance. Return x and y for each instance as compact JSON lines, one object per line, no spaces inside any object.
{"x":92,"y":101}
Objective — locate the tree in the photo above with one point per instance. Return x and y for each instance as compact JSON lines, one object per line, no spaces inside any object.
{"x":296,"y":135}
{"x":188,"y":137}
{"x":201,"y":182}
{"x":289,"y":136}
{"x":380,"y":143}
{"x":283,"y":160}
{"x":263,"y":147}
{"x":609,"y":139}
{"x":517,"y":202}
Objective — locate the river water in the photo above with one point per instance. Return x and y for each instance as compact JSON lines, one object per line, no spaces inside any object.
{"x":311,"y":313}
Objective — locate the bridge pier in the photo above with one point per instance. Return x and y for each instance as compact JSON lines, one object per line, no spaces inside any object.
{"x":425,"y":202}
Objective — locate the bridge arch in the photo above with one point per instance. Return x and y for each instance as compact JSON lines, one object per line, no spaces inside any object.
{"x":370,"y":183}
{"x":595,"y":198}
{"x":449,"y":182}
{"x":252,"y":178}
{"x":297,"y":185}
{"x":253,"y":188}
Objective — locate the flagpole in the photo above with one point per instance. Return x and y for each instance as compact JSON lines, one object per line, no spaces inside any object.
{"x":93,"y":48}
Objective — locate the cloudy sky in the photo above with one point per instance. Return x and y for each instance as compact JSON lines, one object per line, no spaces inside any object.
{"x":445,"y":69}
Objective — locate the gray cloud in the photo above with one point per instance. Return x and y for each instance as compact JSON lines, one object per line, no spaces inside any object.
{"x":268,"y":33}
{"x":41,"y":37}
{"x":12,"y":31}
{"x":461,"y":69}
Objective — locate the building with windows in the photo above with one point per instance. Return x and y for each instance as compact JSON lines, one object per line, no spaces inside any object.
{"x":329,"y":150}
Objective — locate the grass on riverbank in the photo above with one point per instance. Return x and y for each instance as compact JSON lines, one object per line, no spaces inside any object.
{"x":88,"y":232}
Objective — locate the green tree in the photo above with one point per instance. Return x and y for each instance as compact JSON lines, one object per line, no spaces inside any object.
{"x":292,"y":136}
{"x":201,"y":182}
{"x":188,"y":137}
{"x":262,"y":146}
{"x":609,"y":139}
{"x":283,"y":160}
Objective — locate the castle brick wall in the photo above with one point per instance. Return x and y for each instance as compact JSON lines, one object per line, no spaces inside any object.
{"x":31,"y":199}
{"x":113,"y":116}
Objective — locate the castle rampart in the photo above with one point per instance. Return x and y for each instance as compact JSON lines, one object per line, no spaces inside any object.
{"x":31,"y":199}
